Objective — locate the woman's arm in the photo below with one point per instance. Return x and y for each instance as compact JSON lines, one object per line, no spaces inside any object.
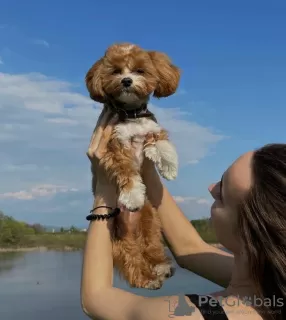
{"x":189,"y":249}
{"x":97,"y":294}
{"x":99,"y":299}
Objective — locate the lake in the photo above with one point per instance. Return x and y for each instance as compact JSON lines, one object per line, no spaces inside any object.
{"x":46,"y":285}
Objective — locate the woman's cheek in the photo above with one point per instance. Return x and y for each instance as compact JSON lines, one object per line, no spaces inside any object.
{"x":214,"y":209}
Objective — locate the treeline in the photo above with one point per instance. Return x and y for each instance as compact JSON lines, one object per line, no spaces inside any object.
{"x":205,"y":230}
{"x":15,"y":233}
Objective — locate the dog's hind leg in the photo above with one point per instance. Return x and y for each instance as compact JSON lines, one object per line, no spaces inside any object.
{"x":153,"y":248}
{"x":139,"y":257}
{"x":131,"y":265}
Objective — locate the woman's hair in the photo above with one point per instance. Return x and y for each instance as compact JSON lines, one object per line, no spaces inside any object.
{"x":262,"y":225}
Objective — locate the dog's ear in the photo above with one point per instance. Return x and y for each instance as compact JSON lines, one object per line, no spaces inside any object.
{"x":168,"y":74}
{"x":94,"y":82}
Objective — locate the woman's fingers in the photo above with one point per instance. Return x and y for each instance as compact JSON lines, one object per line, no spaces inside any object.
{"x":103,"y":121}
{"x":99,"y":120}
{"x":149,"y":139}
{"x":105,"y":137}
{"x":98,"y":131}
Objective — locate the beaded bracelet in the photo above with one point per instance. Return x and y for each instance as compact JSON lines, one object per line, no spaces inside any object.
{"x":91,"y":217}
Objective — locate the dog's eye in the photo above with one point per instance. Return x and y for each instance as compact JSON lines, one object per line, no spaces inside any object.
{"x":116,"y":71}
{"x":140,"y":71}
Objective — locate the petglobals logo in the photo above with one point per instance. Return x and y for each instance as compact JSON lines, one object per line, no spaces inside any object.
{"x":253,"y":301}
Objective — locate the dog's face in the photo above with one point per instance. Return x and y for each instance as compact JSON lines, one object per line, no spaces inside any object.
{"x":130,"y":74}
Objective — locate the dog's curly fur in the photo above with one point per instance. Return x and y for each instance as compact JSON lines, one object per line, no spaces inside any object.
{"x":138,"y":249}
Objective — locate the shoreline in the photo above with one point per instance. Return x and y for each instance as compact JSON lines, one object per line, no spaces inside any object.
{"x":63,"y":249}
{"x":39,"y":249}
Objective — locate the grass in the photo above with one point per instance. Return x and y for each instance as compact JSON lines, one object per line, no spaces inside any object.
{"x":52,"y":241}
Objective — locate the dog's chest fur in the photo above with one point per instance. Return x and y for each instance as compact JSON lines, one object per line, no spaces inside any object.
{"x":134,"y":131}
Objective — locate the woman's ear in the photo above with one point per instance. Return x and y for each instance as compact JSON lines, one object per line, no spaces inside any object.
{"x":168,"y":74}
{"x":94,"y":82}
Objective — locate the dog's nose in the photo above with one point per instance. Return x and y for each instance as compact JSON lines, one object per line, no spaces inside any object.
{"x":126,"y":82}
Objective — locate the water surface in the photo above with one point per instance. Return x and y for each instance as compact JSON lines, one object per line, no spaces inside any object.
{"x":46,"y":285}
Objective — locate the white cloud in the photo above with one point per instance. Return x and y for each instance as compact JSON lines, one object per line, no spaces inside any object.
{"x":46,"y":125}
{"x":202,"y":201}
{"x":41,"y":42}
{"x":194,"y":207}
{"x":62,"y":121}
{"x":16,"y":168}
{"x":195,"y":161}
{"x":36,"y":192}
{"x":192,"y":140}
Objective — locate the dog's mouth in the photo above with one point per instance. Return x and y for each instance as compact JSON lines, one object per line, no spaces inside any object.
{"x":128,"y":96}
{"x":128,"y":100}
{"x":127,"y":90}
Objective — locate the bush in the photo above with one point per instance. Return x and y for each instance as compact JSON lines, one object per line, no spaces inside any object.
{"x":13,"y":232}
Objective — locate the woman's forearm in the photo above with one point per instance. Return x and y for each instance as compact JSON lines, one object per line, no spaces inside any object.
{"x":178,"y":230}
{"x":97,"y":270}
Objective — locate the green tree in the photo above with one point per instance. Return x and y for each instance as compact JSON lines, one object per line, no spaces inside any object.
{"x":13,"y":232}
{"x":73,"y":229}
{"x":38,"y":228}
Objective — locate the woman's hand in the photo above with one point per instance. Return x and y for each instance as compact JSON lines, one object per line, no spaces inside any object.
{"x":105,"y":191}
{"x":149,"y":171}
{"x":151,"y":178}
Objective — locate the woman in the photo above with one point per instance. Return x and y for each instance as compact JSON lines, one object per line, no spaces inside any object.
{"x":249,"y":218}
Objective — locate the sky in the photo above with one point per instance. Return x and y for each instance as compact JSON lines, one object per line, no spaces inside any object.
{"x":231,"y":97}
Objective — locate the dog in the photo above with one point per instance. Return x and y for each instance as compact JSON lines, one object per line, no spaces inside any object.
{"x":123,"y":80}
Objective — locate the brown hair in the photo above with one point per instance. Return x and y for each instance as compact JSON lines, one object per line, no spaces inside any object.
{"x":262,"y":222}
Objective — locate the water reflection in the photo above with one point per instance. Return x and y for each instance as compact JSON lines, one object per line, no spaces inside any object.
{"x":9,"y":260}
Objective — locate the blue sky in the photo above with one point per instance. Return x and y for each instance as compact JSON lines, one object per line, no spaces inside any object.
{"x":231,"y":97}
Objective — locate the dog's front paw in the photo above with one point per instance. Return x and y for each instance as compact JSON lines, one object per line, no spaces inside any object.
{"x":164,"y":270}
{"x":168,"y":164}
{"x":132,"y":196}
{"x":167,"y":170}
{"x":151,"y":153}
{"x":154,"y":284}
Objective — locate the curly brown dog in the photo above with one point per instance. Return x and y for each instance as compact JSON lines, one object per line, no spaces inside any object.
{"x":123,"y":80}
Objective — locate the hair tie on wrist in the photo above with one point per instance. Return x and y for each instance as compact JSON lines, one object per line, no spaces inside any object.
{"x":91,"y":217}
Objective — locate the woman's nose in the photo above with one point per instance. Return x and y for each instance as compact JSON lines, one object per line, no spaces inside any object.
{"x":211,"y":187}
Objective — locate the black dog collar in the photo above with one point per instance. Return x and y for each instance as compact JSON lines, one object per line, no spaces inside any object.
{"x":130,"y":113}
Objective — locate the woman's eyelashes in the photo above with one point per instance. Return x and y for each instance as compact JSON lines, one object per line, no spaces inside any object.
{"x":220,"y":191}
